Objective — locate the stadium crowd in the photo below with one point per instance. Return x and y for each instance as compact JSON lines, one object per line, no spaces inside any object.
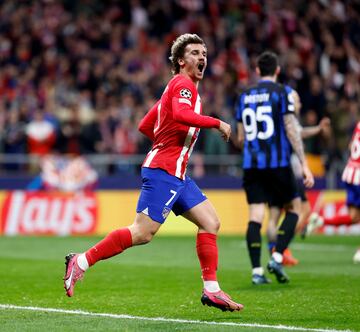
{"x":76,"y":77}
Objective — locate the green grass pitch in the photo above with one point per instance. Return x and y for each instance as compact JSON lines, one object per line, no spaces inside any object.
{"x":162,"y":279}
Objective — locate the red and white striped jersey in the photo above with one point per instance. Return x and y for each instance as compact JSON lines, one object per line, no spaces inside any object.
{"x":351,"y":172}
{"x":173,"y":124}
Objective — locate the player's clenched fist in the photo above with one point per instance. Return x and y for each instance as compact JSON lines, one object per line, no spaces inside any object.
{"x":225,"y":130}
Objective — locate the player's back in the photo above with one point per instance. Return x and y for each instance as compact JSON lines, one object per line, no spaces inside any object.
{"x":173,"y":141}
{"x":351,"y":172}
{"x":261,"y":110}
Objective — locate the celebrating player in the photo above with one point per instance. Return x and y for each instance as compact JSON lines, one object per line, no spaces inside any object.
{"x":268,"y":130}
{"x":173,"y":124}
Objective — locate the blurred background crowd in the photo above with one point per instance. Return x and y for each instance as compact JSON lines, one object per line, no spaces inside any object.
{"x":77,"y":76}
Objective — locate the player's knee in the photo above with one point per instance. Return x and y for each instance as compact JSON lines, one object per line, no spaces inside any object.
{"x":140,"y":234}
{"x":146,"y":238}
{"x":354,"y":215}
{"x":257,"y":216}
{"x":214,"y":225}
{"x":143,"y":238}
{"x":294,"y":206}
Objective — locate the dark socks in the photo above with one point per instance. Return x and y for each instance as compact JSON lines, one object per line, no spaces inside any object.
{"x":286,"y":231}
{"x":253,"y":239}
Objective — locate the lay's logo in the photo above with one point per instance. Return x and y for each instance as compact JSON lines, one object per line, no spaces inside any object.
{"x":40,"y":213}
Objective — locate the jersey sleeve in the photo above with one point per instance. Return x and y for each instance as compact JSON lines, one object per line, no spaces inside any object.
{"x":183,"y":100}
{"x":147,"y":124}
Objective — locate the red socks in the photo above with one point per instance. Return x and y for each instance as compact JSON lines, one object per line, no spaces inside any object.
{"x":114,"y":243}
{"x":208,"y":255}
{"x":119,"y":240}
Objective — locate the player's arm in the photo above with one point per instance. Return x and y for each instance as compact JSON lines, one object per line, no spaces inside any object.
{"x":310,"y":131}
{"x":183,"y":110}
{"x":184,"y":114}
{"x":240,"y":135}
{"x":147,"y":124}
{"x":294,"y":136}
{"x":240,"y":127}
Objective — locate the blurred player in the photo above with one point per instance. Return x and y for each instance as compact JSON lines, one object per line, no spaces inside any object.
{"x":351,"y":178}
{"x":173,"y":125}
{"x":268,"y":129}
{"x":275,"y":208}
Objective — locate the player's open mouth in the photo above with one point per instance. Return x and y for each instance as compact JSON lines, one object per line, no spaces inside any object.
{"x":201,"y":67}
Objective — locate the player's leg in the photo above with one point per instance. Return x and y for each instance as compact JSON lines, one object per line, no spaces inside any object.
{"x":253,"y":240}
{"x":154,"y":204}
{"x":305,"y":209}
{"x":353,"y":203}
{"x":195,"y":207}
{"x":140,"y":232}
{"x":254,"y":185}
{"x":308,"y":221}
{"x":271,"y":230}
{"x":286,"y":191}
{"x":304,"y":216}
{"x":354,"y":213}
{"x":205,"y":218}
{"x":304,"y":212}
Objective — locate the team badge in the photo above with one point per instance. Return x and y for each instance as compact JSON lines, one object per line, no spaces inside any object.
{"x":165,"y":212}
{"x":186,"y":93}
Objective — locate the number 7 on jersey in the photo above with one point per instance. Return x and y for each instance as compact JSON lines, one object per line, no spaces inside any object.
{"x":173,"y":192}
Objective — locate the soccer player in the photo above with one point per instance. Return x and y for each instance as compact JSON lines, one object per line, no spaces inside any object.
{"x":275,"y":208}
{"x":173,"y":124}
{"x":268,"y":131}
{"x":351,"y":178}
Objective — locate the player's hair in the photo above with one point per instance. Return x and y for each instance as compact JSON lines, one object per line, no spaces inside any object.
{"x":267,"y":63}
{"x":178,"y":49}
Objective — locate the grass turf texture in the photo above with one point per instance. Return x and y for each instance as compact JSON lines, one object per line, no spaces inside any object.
{"x":162,"y":279}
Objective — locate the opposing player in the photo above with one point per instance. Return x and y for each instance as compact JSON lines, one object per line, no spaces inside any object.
{"x":268,"y":129}
{"x":173,"y":126}
{"x":274,"y":208}
{"x":351,"y":178}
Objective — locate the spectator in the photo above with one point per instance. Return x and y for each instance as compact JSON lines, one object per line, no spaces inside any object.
{"x":40,"y":135}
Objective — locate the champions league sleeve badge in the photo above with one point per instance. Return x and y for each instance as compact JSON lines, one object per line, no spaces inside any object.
{"x":186,"y":93}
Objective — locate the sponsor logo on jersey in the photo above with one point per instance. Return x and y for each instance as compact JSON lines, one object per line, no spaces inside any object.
{"x":186,"y":93}
{"x":48,"y":213}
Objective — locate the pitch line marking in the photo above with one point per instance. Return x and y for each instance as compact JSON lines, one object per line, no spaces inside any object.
{"x":167,"y":320}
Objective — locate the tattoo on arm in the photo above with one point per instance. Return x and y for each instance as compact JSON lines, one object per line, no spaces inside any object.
{"x":294,"y":135}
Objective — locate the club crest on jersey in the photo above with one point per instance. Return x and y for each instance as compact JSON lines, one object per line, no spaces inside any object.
{"x":186,"y":93}
{"x":165,"y":212}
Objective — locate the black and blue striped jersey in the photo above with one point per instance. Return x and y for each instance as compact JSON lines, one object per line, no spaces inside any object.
{"x":261,"y":111}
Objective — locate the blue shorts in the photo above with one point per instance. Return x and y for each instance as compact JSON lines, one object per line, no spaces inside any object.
{"x":352,"y":195}
{"x":162,"y":193}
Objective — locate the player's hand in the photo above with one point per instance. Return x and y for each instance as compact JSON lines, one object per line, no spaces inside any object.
{"x":225,"y":130}
{"x":324,"y":126}
{"x":308,"y":177}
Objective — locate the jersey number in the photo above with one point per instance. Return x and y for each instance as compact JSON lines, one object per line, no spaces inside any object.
{"x":251,"y":118}
{"x":173,"y":192}
{"x":355,"y":147}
